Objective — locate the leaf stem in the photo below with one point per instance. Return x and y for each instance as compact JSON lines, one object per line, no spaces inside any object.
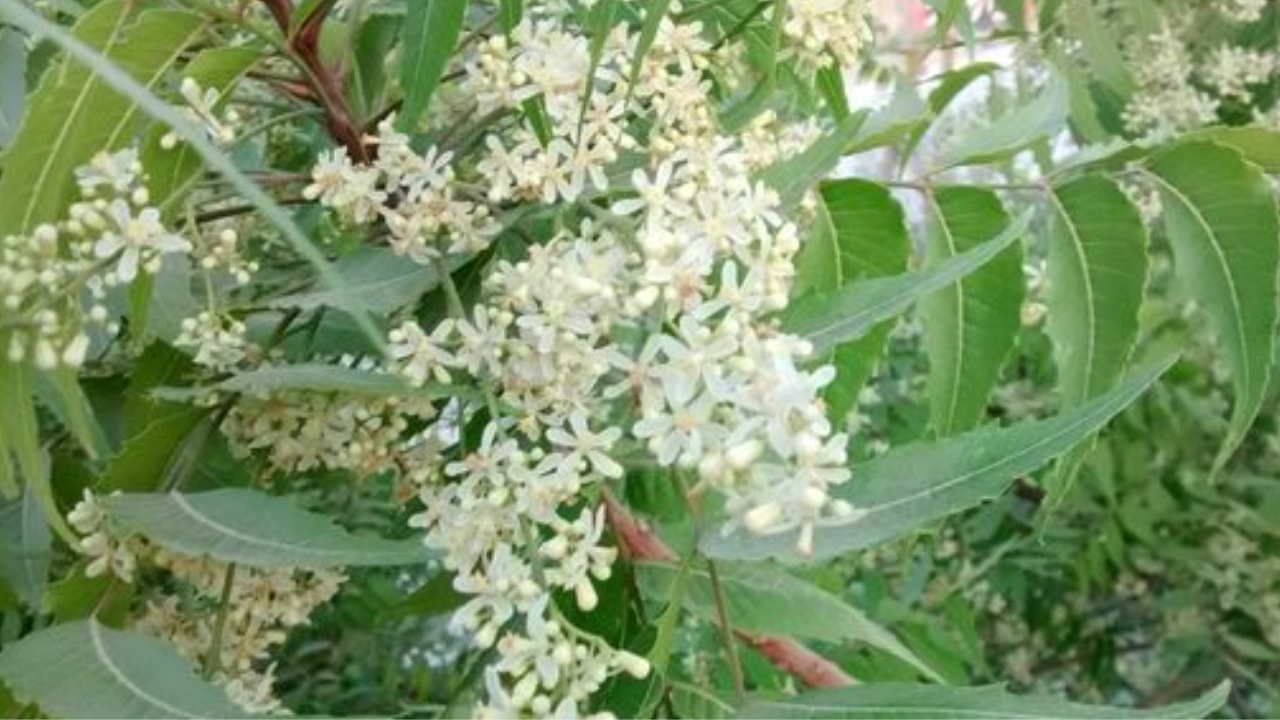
{"x":213,"y":656}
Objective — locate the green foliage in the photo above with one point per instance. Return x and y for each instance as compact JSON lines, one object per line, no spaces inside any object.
{"x":971,"y":326}
{"x":935,"y":231}
{"x":250,"y":528}
{"x":114,"y":674}
{"x":924,"y":701}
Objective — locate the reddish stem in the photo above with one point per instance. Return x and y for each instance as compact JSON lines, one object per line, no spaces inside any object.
{"x":638,"y":542}
{"x":326,"y":85}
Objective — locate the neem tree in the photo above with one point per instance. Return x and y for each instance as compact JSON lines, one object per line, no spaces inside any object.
{"x":554,"y":308}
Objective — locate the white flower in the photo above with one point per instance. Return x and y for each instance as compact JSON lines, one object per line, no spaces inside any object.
{"x":139,"y":239}
{"x":588,"y":447}
{"x":422,"y":356}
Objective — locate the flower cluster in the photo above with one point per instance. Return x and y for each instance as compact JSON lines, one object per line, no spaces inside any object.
{"x":1183,"y":84}
{"x":414,"y":196}
{"x":824,"y":33}
{"x":302,"y":430}
{"x":54,"y":282}
{"x":261,"y":606}
{"x":644,"y":324}
{"x":202,"y":108}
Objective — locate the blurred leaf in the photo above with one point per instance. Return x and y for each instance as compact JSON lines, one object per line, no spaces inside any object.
{"x":84,"y":669}
{"x":429,"y":35}
{"x":25,"y":548}
{"x":13,"y":82}
{"x":769,"y":601}
{"x":1040,"y":117}
{"x":250,"y":528}
{"x":384,"y":280}
{"x":73,"y":115}
{"x":932,"y":701}
{"x":796,"y":175}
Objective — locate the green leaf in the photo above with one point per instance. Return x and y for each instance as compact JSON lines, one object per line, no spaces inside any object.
{"x":905,"y":114}
{"x":949,"y":87}
{"x":914,"y":485}
{"x":766,"y":600}
{"x":74,"y":115}
{"x":25,"y":548}
{"x":869,"y":239}
{"x":251,"y":528}
{"x":429,"y":36}
{"x":1097,"y":269}
{"x":1041,"y":117}
{"x":794,"y":176}
{"x":1259,"y":145}
{"x":316,"y":377}
{"x":829,"y":320}
{"x":150,"y":456}
{"x":990,"y":702}
{"x":1100,"y":48}
{"x":971,"y":326}
{"x":171,"y":172}
{"x":120,"y":80}
{"x":84,"y":669}
{"x":384,"y":280}
{"x":13,"y":82}
{"x":653,"y":14}
{"x":60,"y":391}
{"x":1221,"y":218}
{"x":20,"y":432}
{"x":737,"y":115}
{"x":509,"y":13}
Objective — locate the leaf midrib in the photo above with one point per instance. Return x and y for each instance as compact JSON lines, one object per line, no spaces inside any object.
{"x":1236,"y":306}
{"x":100,"y":650}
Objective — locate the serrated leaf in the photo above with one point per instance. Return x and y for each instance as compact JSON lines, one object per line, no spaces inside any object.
{"x":1097,"y":269}
{"x":25,"y":548}
{"x":971,"y":326}
{"x":868,"y":239}
{"x":248,"y":527}
{"x":1221,"y":217}
{"x":73,"y":115}
{"x":990,"y":702}
{"x":914,"y":485}
{"x":1258,"y":145}
{"x":429,"y":36}
{"x":769,"y":601}
{"x":1040,"y":117}
{"x":84,"y":669}
{"x":829,"y":320}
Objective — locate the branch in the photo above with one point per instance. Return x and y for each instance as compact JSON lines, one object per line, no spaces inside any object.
{"x":638,"y":542}
{"x":304,"y":45}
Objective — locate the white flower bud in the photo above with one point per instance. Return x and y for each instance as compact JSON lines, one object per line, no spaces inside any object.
{"x":762,"y":518}
{"x":632,"y":664}
{"x":586,"y":596}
